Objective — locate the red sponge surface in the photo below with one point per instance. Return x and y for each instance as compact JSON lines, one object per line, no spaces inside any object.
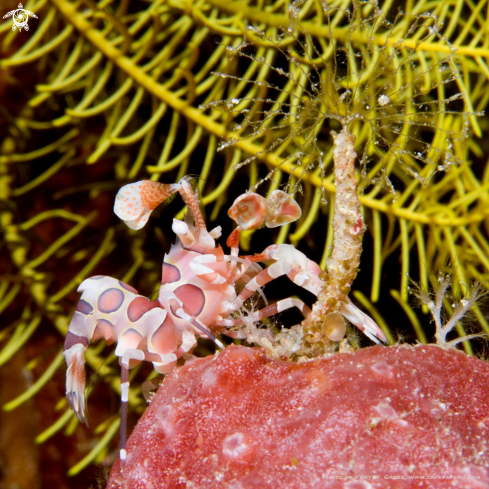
{"x":397,"y":417}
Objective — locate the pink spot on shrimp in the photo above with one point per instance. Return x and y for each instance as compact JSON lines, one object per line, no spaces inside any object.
{"x":164,"y":339}
{"x":73,"y":339}
{"x":128,"y":287}
{"x":129,"y":339}
{"x":169,"y":274}
{"x":192,"y":297}
{"x":104,"y":329}
{"x":140,"y":306}
{"x":110,"y":300}
{"x":84,"y":307}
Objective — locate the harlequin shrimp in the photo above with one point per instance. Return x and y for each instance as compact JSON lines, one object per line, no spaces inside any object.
{"x":201,"y":289}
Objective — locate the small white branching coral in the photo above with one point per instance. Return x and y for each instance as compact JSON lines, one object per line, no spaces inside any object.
{"x":438,"y":303}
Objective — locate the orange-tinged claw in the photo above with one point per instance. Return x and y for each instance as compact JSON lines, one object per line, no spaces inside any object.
{"x":283,"y":209}
{"x":135,"y":202}
{"x":249,"y":211}
{"x":252,"y":211}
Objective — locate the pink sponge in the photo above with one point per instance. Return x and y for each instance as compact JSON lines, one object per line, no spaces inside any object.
{"x":397,"y":417}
